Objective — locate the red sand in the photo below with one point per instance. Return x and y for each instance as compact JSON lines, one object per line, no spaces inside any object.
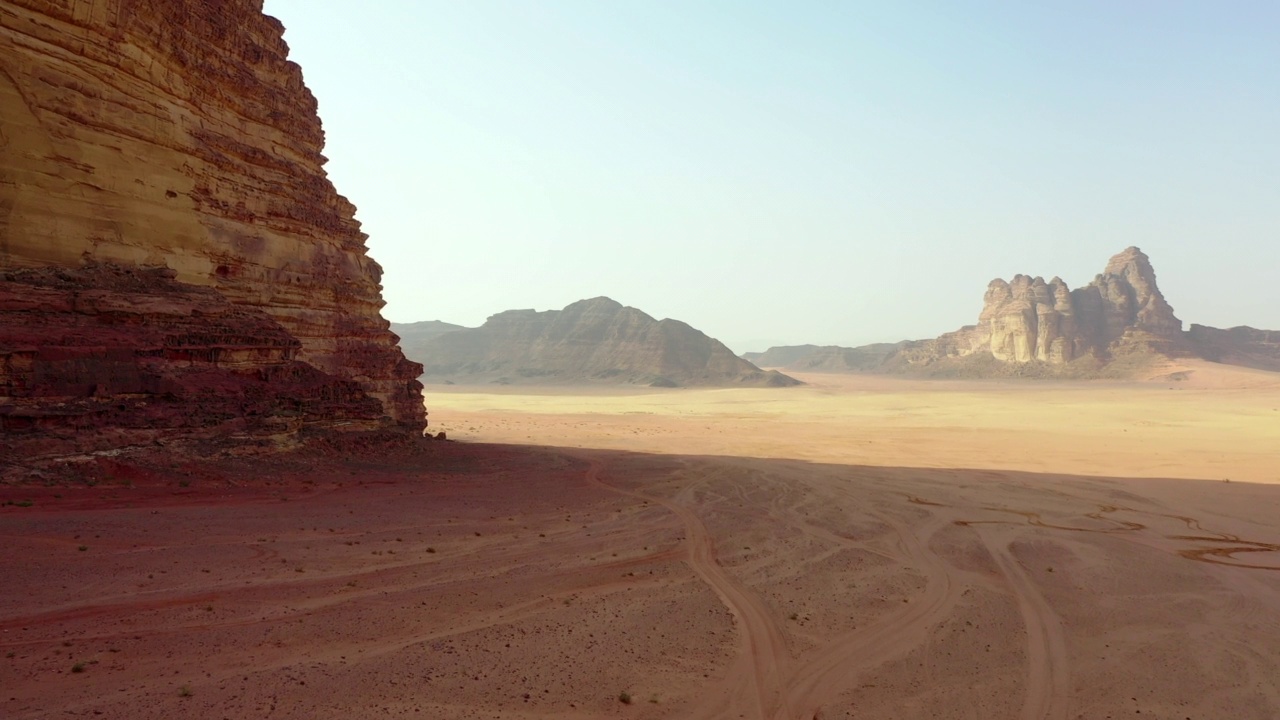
{"x":483,"y":581}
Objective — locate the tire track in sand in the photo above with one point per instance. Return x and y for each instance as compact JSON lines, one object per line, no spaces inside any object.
{"x":755,"y":680}
{"x":1048,"y":671}
{"x":825,"y":675}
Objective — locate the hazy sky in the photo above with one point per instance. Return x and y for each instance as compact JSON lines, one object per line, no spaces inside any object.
{"x":787,"y":172}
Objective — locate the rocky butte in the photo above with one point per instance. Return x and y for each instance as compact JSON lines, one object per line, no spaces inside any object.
{"x":1116,"y":326}
{"x":591,"y":341}
{"x":1028,"y":319}
{"x":177,"y":269}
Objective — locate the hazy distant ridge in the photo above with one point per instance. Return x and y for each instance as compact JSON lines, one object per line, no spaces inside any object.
{"x":825,"y":358}
{"x":415,"y":336}
{"x":590,"y":341}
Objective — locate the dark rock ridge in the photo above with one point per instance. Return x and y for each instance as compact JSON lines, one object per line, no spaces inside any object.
{"x":140,"y":137}
{"x":596,"y":340}
{"x":1116,"y":326}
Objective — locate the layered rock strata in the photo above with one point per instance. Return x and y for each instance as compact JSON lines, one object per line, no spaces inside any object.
{"x":596,"y":340}
{"x":178,"y":135}
{"x":104,"y":358}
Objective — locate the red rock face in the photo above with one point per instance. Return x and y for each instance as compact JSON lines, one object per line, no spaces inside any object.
{"x":104,"y":358}
{"x":176,"y":134}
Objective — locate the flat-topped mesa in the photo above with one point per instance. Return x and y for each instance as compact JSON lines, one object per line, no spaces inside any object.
{"x":177,"y":134}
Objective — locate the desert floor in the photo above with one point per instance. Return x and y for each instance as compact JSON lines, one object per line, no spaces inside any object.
{"x":855,"y":548}
{"x":1221,"y":423}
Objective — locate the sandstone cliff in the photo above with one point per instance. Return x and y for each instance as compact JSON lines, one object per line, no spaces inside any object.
{"x":177,"y":135}
{"x":104,"y":358}
{"x":1031,"y":324}
{"x":595,"y":340}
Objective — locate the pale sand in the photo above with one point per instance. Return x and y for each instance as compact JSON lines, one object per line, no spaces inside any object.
{"x":719,"y":574}
{"x":1222,"y":423}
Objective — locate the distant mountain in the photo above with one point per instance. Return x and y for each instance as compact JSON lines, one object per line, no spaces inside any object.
{"x":590,"y":341}
{"x":1245,"y":346}
{"x":1117,"y":326}
{"x":825,"y":358}
{"x":780,"y":355}
{"x":415,"y":336}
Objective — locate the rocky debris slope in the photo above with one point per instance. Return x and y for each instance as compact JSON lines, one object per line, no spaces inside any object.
{"x":596,"y":340}
{"x":178,"y":135}
{"x":1116,"y":326}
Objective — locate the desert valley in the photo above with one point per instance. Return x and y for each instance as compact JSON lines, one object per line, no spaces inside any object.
{"x":855,"y":547}
{"x":220,"y":496}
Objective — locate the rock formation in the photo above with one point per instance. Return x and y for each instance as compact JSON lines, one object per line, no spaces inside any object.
{"x":595,"y":340}
{"x":1030,"y":320}
{"x":103,"y":358}
{"x":177,"y":135}
{"x":1113,"y":327}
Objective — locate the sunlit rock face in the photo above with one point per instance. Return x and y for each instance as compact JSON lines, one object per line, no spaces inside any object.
{"x":1028,"y":319}
{"x":177,"y":135}
{"x":1117,"y":326}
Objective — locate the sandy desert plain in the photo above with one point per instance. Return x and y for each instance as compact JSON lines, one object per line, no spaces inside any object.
{"x":859,"y":547}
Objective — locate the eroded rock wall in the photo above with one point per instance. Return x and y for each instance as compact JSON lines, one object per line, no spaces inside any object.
{"x":1117,"y":326}
{"x":105,"y":358}
{"x":145,"y":133}
{"x":1029,"y":320}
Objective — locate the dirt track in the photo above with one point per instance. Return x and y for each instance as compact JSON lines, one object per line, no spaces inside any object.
{"x":509,"y":582}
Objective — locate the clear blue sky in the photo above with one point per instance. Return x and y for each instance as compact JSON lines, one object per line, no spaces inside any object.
{"x":786,"y":172}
